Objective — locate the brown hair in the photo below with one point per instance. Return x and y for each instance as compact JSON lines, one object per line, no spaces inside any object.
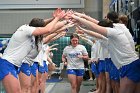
{"x":106,"y":23}
{"x":113,"y":16}
{"x":73,"y":36}
{"x":37,"y":22}
{"x":123,"y":19}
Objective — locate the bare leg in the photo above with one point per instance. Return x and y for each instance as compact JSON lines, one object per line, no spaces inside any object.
{"x":99,"y":84}
{"x":42,"y":84}
{"x":79,"y":81}
{"x":137,"y":88}
{"x":73,"y":82}
{"x":40,"y":77}
{"x":25,"y":82}
{"x":117,"y":87}
{"x":34,"y":82}
{"x":49,"y":74}
{"x":90,"y":74}
{"x":127,"y":85}
{"x":113,"y":85}
{"x":11,"y":84}
{"x":103,"y":82}
{"x":108,"y":85}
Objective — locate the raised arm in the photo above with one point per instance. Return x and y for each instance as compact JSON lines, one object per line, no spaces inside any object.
{"x":50,"y":27}
{"x":91,"y":25}
{"x":54,"y":45}
{"x":48,"y":20}
{"x":59,"y":33}
{"x":86,"y":40}
{"x":82,"y":15}
{"x":49,"y":37}
{"x":58,"y":36}
{"x":91,"y":33}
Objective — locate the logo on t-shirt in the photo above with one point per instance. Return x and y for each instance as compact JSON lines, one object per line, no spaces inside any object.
{"x":73,"y":55}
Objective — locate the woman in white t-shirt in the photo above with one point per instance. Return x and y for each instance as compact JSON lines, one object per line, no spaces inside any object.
{"x":73,"y":55}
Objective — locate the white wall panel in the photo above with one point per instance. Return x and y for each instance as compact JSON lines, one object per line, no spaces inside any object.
{"x":11,"y":20}
{"x":27,"y":4}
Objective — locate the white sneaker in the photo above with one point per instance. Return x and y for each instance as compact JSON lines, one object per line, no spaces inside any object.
{"x":90,"y":79}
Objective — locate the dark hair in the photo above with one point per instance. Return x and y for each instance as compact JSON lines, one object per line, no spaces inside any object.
{"x":73,"y":36}
{"x":37,"y":22}
{"x":113,"y":16}
{"x":106,"y":23}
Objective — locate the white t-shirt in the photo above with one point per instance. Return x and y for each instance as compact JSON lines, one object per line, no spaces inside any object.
{"x":45,"y":55}
{"x":95,"y":50}
{"x":71,"y":54}
{"x":90,"y":37}
{"x":19,"y":46}
{"x":30,"y":57}
{"x":0,"y":55}
{"x":120,"y":48}
{"x":33,"y":53}
{"x":42,"y":56}
{"x":103,"y":52}
{"x":127,"y":33}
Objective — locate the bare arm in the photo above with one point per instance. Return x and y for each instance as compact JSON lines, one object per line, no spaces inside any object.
{"x":49,"y":60}
{"x":91,"y":25}
{"x":60,"y":24}
{"x":59,"y":33}
{"x":87,"y":17}
{"x":47,"y":29}
{"x":50,"y":27}
{"x":64,"y":58}
{"x":49,"y":37}
{"x":57,"y":36}
{"x":85,"y":57}
{"x":92,"y":33}
{"x":48,"y":20}
{"x":86,"y":40}
{"x":54,"y":45}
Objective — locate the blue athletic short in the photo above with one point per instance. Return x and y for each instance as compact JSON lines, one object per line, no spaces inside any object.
{"x":26,"y":69}
{"x":44,"y":68}
{"x":18,"y":70}
{"x":6,"y":67}
{"x":107,"y":64}
{"x":34,"y":67}
{"x":77,"y":72}
{"x":94,"y":69}
{"x":101,"y":67}
{"x":132,"y":71}
{"x":114,"y":73}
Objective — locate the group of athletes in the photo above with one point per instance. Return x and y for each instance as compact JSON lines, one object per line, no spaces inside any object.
{"x":111,"y":53}
{"x":24,"y":63}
